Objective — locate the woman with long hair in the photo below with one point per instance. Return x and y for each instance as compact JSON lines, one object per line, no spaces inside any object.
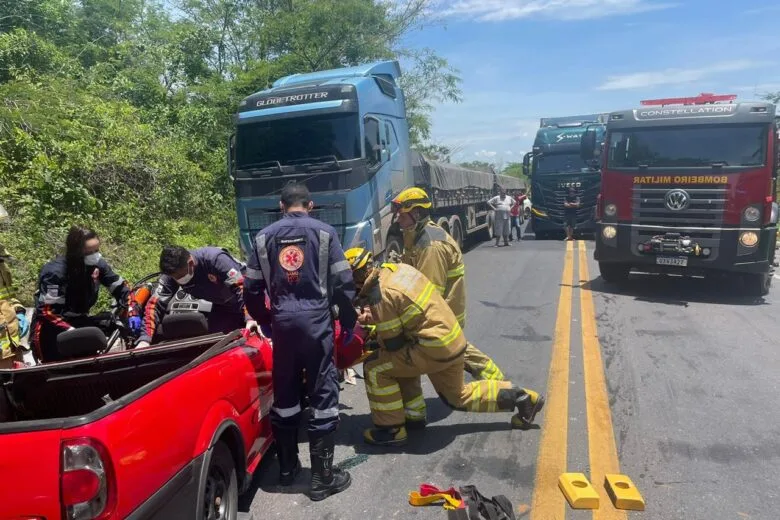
{"x":68,"y":288}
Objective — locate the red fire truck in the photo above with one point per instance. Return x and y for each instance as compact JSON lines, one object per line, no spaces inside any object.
{"x":688,"y":187}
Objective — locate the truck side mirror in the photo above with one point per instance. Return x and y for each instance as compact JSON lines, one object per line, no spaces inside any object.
{"x":231,"y":148}
{"x":526,"y":164}
{"x":588,"y":145}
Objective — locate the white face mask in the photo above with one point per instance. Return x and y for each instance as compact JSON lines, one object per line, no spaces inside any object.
{"x":92,"y":259}
{"x":184,"y":280}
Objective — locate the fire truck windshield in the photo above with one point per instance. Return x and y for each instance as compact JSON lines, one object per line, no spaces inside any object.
{"x":689,"y":146}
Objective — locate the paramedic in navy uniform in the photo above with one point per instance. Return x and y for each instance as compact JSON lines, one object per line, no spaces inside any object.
{"x":300,"y":262}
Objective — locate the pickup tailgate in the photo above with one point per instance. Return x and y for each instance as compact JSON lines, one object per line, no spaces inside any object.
{"x":30,"y":472}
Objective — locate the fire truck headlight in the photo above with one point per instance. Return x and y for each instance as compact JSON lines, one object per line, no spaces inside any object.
{"x":773,"y":217}
{"x":748,"y":238}
{"x":752,"y":214}
{"x":610,"y":210}
{"x":609,"y":232}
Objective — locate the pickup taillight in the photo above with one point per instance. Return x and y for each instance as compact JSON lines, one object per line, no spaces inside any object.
{"x":87,"y":481}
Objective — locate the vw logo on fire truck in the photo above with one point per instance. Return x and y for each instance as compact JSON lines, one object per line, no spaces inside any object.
{"x":677,"y":200}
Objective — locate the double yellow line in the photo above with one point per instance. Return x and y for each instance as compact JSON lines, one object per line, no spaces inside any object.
{"x":548,"y":501}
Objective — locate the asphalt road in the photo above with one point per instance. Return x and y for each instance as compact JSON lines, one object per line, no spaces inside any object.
{"x":673,"y":382}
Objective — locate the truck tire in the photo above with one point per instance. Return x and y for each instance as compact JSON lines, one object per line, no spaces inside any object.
{"x":220,"y":494}
{"x":456,"y":230}
{"x":757,"y":284}
{"x":614,"y":273}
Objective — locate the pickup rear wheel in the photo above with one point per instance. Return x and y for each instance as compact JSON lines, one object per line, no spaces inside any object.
{"x":220,"y":495}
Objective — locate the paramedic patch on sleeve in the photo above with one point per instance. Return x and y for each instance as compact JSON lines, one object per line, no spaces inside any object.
{"x":233,"y":276}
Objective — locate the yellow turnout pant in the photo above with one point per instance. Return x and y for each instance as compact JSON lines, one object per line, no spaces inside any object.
{"x":480,"y":366}
{"x":395,"y":394}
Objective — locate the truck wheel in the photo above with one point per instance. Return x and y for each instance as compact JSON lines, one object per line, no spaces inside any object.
{"x":758,"y":284}
{"x":220,"y":494}
{"x":456,"y":230}
{"x":614,"y":273}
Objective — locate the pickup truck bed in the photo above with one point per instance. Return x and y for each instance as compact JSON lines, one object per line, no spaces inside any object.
{"x":156,"y":418}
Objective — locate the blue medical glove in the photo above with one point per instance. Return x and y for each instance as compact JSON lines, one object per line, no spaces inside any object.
{"x":24,"y":325}
{"x":135,"y":324}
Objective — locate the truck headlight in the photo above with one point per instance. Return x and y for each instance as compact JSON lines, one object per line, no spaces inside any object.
{"x":748,"y":238}
{"x":751,"y":214}
{"x":609,"y":232}
{"x":610,"y":210}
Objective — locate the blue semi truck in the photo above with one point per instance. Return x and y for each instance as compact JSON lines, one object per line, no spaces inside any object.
{"x":554,"y":165}
{"x":344,"y":133}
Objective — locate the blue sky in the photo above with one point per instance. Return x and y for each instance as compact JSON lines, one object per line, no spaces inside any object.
{"x":525,"y":59}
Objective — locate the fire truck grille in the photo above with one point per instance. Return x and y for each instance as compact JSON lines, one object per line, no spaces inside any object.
{"x":700,"y":207}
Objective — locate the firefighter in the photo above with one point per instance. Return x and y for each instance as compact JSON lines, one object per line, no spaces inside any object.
{"x":433,"y":252}
{"x":13,"y":315}
{"x":300,"y":262}
{"x":419,"y":334}
{"x":209,"y":273}
{"x":68,"y":288}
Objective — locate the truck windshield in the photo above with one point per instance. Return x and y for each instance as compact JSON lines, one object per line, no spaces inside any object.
{"x":297,"y":138}
{"x":560,"y":163}
{"x":689,"y":147}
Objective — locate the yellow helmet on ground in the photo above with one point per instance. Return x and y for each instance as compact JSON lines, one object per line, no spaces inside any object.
{"x":409,"y":199}
{"x":358,"y":257}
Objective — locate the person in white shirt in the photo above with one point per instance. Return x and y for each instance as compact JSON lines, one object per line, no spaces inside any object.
{"x":501,"y":205}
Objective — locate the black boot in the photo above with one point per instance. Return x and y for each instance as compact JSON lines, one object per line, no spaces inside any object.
{"x":325,"y":479}
{"x":287,"y":452}
{"x":527,"y":402}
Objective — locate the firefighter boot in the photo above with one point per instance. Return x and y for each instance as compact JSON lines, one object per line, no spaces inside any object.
{"x":386,"y":436}
{"x":325,"y":479}
{"x":287,"y":452}
{"x":527,"y":402}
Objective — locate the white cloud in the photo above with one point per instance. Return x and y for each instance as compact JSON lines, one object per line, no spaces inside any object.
{"x":500,"y":10}
{"x":508,"y":152}
{"x":485,"y":153}
{"x":673,"y":76}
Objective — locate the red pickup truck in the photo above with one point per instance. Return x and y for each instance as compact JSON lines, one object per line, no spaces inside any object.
{"x":171,"y":432}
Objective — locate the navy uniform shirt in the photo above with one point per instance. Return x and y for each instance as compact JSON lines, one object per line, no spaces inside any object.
{"x":217,"y":278}
{"x":300,"y":262}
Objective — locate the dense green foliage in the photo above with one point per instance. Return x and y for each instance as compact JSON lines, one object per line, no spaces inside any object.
{"x":115,"y":113}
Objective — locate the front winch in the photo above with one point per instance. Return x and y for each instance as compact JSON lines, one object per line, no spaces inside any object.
{"x":673,"y":243}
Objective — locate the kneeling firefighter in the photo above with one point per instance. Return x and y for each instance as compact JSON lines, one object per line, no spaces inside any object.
{"x":419,"y":334}
{"x":432,"y":251}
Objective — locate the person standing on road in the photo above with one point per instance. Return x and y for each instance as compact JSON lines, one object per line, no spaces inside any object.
{"x":209,"y":273}
{"x":419,"y":334}
{"x":13,"y":315}
{"x":68,"y":288}
{"x":432,"y":251}
{"x":571,"y":204}
{"x":300,"y":262}
{"x":502,"y":206}
{"x":516,"y":214}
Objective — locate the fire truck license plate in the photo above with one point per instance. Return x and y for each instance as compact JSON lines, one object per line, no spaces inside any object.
{"x":679,"y":261}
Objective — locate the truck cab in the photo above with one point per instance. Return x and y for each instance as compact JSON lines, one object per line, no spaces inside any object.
{"x":342,"y":132}
{"x":554,"y":165}
{"x":688,"y":187}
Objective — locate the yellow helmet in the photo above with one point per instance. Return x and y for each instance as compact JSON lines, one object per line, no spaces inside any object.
{"x":409,"y":199}
{"x":358,"y":257}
